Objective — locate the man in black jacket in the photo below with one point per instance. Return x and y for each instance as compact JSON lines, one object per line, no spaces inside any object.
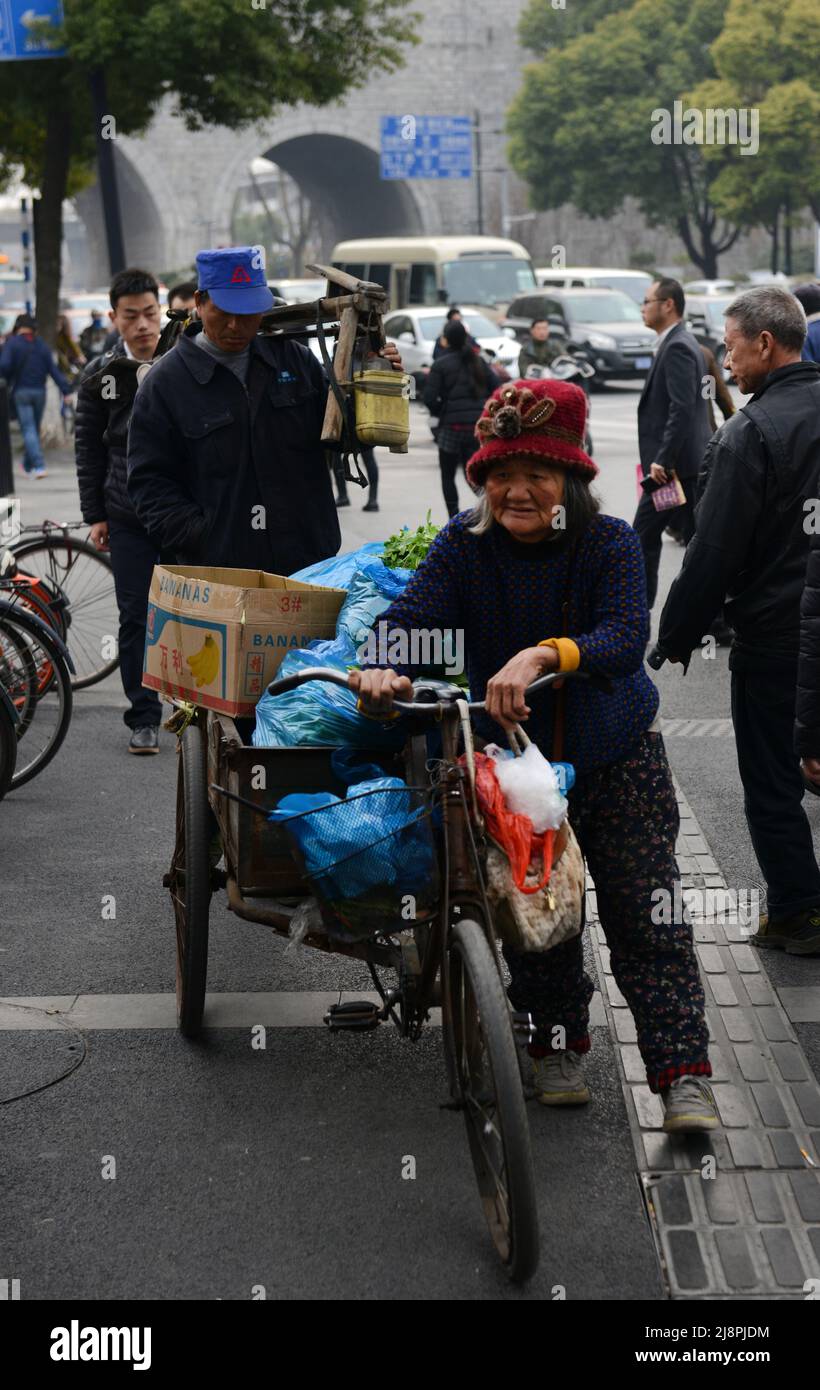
{"x":225,"y":460}
{"x":106,"y":396}
{"x":754,"y":519}
{"x":673,"y":423}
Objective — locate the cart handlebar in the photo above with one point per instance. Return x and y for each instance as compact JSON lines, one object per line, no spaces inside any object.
{"x":440,"y":707}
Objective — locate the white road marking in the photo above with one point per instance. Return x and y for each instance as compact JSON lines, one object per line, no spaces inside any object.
{"x":125,"y":1012}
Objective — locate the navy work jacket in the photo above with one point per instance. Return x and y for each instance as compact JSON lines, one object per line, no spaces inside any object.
{"x":234,"y":475}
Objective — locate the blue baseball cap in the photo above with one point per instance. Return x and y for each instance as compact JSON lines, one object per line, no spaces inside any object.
{"x":234,"y":277}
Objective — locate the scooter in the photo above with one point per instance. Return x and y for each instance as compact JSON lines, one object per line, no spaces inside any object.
{"x":566,"y":367}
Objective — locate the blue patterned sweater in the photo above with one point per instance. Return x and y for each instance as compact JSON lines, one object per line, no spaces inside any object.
{"x":506,"y":595}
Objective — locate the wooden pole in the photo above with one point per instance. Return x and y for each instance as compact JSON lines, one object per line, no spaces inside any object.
{"x":342,"y":362}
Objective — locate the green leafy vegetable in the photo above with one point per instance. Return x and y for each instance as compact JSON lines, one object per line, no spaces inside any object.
{"x":406,"y":549}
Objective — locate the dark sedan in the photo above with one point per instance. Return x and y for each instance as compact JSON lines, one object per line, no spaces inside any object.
{"x":604,"y":326}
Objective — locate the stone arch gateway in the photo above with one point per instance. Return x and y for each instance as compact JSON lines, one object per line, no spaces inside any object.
{"x":467,"y":62}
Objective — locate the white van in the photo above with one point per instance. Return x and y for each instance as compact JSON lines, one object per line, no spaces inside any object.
{"x":484,"y":270}
{"x":635,"y":283}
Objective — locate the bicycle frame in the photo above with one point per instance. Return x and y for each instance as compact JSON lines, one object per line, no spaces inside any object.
{"x":463,"y":883}
{"x":463,"y":887}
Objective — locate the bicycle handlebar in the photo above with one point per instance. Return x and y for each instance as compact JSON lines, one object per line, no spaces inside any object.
{"x":327,"y":673}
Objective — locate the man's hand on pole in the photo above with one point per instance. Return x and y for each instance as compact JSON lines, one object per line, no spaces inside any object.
{"x":391,"y":352}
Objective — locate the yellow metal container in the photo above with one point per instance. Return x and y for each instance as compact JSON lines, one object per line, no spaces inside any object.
{"x":383,"y":408}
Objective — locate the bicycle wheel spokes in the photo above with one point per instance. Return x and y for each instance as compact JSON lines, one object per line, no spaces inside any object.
{"x":18,"y":676}
{"x":41,"y":693}
{"x":85,"y":582}
{"x":482,"y":1048}
{"x":478,"y":1094}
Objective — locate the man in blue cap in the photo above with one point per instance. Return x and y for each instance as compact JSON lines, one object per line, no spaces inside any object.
{"x":225,"y":461}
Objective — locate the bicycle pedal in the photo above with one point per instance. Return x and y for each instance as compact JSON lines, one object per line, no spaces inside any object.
{"x":522,"y":1025}
{"x":361,"y":1014}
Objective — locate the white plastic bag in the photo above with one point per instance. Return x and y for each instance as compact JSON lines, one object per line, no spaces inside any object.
{"x":530,"y":787}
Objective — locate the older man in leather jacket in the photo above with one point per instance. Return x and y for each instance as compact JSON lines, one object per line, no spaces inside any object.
{"x":759,"y":485}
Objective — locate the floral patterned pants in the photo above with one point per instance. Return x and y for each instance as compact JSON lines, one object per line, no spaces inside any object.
{"x":626,"y":819}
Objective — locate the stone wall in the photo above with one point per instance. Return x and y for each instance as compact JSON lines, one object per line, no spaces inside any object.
{"x":178,"y":188}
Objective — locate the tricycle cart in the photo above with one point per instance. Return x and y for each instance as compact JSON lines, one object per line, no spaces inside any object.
{"x":446,"y":956}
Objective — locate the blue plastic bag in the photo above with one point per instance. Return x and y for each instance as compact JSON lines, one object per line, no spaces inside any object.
{"x":372,"y":589}
{"x":319,"y":714}
{"x":376,"y":839}
{"x":338,"y":571}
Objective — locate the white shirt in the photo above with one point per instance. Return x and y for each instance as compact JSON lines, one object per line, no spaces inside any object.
{"x":664,"y":334}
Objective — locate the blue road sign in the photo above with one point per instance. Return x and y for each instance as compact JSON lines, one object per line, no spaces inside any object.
{"x":426,"y":147}
{"x":21,"y":35}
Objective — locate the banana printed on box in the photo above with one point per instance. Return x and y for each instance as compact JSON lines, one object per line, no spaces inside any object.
{"x":205,"y":663}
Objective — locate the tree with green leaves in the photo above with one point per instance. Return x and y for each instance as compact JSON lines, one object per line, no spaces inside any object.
{"x":582,"y":124}
{"x":545,"y":24}
{"x":226,"y":62}
{"x":767,"y":58}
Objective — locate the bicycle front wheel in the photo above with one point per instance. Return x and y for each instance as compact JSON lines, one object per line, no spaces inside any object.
{"x":8,"y":742}
{"x":190,"y":879}
{"x":81,"y":578}
{"x":480,"y":1037}
{"x":38,"y":678}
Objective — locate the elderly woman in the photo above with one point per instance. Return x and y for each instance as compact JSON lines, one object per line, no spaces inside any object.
{"x":538,"y":580}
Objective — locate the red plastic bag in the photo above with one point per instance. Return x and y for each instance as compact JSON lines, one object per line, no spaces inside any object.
{"x":511,"y":832}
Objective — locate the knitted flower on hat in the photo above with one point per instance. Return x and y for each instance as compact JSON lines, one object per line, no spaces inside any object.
{"x":513,"y":410}
{"x":540,"y":419}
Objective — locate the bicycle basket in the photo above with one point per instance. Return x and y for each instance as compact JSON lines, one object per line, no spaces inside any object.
{"x":369,"y":859}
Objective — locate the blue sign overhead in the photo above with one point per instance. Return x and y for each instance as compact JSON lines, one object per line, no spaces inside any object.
{"x":426,"y":147}
{"x":22,"y":32}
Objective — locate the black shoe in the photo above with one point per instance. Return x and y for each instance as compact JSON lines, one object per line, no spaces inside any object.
{"x":343,"y":501}
{"x":145,"y":740}
{"x":798,"y":935}
{"x":371,"y":506}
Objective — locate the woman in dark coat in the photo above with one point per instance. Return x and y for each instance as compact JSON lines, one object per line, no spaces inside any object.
{"x":537,"y":580}
{"x":458,"y":385}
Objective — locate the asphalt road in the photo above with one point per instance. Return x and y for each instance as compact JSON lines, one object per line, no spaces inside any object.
{"x":238,"y":1167}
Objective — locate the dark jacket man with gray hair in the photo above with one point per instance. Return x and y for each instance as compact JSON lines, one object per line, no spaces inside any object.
{"x":753,"y":523}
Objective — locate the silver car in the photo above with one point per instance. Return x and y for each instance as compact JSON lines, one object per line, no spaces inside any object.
{"x":416,"y":332}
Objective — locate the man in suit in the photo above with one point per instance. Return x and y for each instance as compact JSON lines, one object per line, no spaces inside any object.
{"x":673,"y":423}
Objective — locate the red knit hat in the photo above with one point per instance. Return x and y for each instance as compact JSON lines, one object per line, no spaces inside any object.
{"x":533,"y":419}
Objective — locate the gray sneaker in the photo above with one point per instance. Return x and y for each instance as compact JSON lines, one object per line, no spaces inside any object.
{"x":559,"y":1080}
{"x":690,"y":1106}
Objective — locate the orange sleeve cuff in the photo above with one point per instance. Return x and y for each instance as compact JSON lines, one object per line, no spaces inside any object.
{"x":569,"y":657}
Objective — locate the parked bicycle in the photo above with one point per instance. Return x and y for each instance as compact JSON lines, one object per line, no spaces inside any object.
{"x":67,"y":582}
{"x":8,"y":740}
{"x":35,"y":678}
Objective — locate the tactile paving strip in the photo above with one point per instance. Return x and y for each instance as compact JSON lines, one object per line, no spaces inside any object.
{"x":753,"y":1227}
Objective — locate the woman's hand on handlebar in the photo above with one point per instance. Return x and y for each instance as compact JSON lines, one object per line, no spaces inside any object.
{"x":378,"y":689}
{"x":504,"y":700}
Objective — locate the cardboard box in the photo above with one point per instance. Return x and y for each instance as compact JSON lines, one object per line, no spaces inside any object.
{"x":217,"y":636}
